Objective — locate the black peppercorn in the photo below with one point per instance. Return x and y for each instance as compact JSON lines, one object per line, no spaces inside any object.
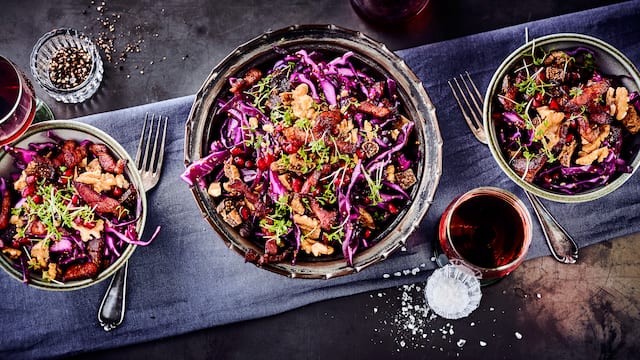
{"x":69,"y":67}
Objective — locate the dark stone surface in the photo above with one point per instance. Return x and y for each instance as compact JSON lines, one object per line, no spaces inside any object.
{"x":544,"y":309}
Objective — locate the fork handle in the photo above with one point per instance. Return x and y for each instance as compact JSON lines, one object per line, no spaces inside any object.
{"x":112,"y":308}
{"x":561,"y":244}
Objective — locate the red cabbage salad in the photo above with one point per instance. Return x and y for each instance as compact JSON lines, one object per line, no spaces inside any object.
{"x":563,"y":124}
{"x":313,"y":157}
{"x":69,"y":212}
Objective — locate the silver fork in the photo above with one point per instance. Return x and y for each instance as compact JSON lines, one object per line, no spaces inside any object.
{"x":149,"y":164}
{"x":562,"y":246}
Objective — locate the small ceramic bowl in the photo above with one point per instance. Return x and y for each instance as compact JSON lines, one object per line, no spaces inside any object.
{"x":67,"y":65}
{"x":201,"y":130}
{"x":611,"y":62}
{"x":79,"y":132}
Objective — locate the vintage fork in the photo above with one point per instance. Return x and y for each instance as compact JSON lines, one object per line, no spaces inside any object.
{"x":149,"y":163}
{"x":561,"y":244}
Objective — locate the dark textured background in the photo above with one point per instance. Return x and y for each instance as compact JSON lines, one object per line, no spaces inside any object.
{"x":584,"y":311}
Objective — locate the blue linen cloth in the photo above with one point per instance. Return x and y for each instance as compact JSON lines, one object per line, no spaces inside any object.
{"x":189,"y":280}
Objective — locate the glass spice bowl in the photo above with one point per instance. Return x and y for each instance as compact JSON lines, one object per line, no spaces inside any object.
{"x":67,"y":65}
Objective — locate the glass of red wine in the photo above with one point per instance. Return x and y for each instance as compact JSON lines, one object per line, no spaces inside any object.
{"x":19,"y":106}
{"x":486,"y":230}
{"x":388,"y":12}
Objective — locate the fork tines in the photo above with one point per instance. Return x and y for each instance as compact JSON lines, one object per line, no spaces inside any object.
{"x":472,"y":98}
{"x":146,"y":161}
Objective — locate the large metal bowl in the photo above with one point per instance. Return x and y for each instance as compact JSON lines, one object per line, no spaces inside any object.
{"x":609,"y":60}
{"x":74,"y":130}
{"x":331,"y":40}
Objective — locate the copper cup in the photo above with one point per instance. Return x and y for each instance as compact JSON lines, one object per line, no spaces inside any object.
{"x":486,"y":230}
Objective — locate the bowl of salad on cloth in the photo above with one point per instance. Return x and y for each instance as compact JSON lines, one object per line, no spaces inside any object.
{"x":313,"y":151}
{"x":73,"y":207}
{"x":562,"y":117}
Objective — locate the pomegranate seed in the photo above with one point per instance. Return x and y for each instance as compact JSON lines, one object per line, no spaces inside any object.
{"x":89,"y":224}
{"x":235,"y":151}
{"x":393,"y":209}
{"x":238,"y":161}
{"x":249,"y":164}
{"x":367,"y":233}
{"x":264,"y":162}
{"x":245,"y":213}
{"x":290,"y":148}
{"x":37,"y":198}
{"x":117,"y":191}
{"x":553,"y":105}
{"x":296,"y":185}
{"x":29,"y":190}
{"x":569,"y":137}
{"x":75,"y":200}
{"x":539,"y":97}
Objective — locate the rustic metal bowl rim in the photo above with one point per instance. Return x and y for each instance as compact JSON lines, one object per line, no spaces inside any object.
{"x":338,"y":39}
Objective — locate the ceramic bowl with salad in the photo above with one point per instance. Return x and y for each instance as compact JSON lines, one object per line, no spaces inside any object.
{"x":562,"y":114}
{"x":73,"y":209}
{"x":313,"y":151}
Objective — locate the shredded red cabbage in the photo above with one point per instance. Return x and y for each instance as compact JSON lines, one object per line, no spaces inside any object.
{"x":312,"y":154}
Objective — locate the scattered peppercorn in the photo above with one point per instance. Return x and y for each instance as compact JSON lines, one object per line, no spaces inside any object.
{"x":69,"y":67}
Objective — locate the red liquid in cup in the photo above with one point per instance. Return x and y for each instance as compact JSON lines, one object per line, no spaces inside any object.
{"x":488,"y":232}
{"x":9,"y":86}
{"x":388,"y":11}
{"x":14,"y":89}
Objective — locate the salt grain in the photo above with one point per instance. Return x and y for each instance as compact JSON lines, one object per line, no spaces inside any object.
{"x":482,"y":343}
{"x":518,"y":335}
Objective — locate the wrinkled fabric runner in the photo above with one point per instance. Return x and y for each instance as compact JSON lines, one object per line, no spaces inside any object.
{"x":188,"y":280}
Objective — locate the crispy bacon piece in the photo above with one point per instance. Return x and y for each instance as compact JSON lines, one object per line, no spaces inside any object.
{"x":102,"y":203}
{"x":271,"y":247}
{"x":71,"y":154}
{"x":311,"y":182}
{"x":590,"y":94}
{"x":80,"y":271}
{"x":5,"y":211}
{"x":326,"y":120}
{"x":327,"y":218}
{"x":371,"y":109}
{"x":528,"y":168}
{"x":106,"y":160}
{"x":250,"y":196}
{"x":508,"y":94}
{"x":261,"y":259}
{"x":295,"y":135}
{"x":96,"y":249}
{"x":251,"y":77}
{"x":346,"y":147}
